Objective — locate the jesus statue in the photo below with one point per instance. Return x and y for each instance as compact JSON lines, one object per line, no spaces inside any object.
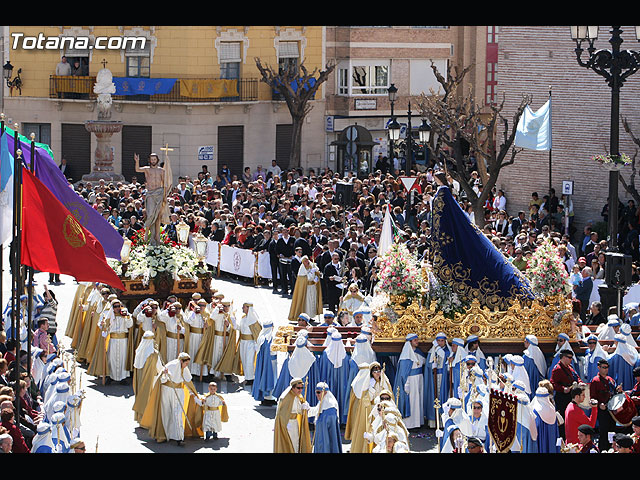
{"x":158,"y":182}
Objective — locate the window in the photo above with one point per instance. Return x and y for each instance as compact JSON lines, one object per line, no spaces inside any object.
{"x":288,"y":57}
{"x":138,"y":61}
{"x":42,"y":131}
{"x":138,"y":67}
{"x":369,"y":79}
{"x":492,"y":34}
{"x":343,"y":81}
{"x":230,"y":59}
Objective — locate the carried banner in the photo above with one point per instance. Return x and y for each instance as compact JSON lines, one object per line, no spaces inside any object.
{"x":238,"y":261}
{"x":503,"y":419}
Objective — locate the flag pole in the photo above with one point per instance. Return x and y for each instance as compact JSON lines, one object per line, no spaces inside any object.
{"x":1,"y":244}
{"x":16,"y":272}
{"x":550,"y":183}
{"x":30,"y":276}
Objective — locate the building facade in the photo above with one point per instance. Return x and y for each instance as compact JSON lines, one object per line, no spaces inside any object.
{"x":185,"y":87}
{"x":541,"y":61}
{"x":369,"y":59}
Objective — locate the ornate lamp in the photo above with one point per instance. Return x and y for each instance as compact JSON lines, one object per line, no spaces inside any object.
{"x":394,"y":130}
{"x":183,"y":232}
{"x":201,"y":246}
{"x":424,"y":131}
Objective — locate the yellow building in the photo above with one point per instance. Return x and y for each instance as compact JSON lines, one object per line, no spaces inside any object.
{"x":185,"y":86}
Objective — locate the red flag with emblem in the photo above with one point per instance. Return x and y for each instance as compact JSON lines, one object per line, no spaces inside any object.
{"x":54,"y":241}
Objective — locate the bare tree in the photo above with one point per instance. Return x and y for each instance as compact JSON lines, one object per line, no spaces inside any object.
{"x":297,"y":86}
{"x":630,"y":186}
{"x":456,"y":119}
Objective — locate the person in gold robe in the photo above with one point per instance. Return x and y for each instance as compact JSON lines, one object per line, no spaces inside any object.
{"x":352,"y":301}
{"x":76,"y":308}
{"x":366,"y":386}
{"x":291,"y":431}
{"x":146,"y":367}
{"x":215,"y":334}
{"x":96,"y":303}
{"x":230,"y":363}
{"x":307,"y":293}
{"x":171,"y":412}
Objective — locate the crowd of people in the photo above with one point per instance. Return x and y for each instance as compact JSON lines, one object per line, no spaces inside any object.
{"x":323,"y":252}
{"x":40,"y":399}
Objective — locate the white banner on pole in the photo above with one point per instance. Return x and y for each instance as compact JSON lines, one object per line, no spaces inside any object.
{"x":238,"y":260}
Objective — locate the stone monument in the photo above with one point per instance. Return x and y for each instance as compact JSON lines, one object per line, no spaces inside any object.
{"x":103,"y":128}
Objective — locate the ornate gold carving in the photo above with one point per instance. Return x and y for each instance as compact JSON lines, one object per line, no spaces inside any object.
{"x":515,"y":322}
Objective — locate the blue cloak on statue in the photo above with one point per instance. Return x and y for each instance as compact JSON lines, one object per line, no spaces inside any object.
{"x":465,"y":259}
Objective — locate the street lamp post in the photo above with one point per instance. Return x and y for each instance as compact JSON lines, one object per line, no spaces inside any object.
{"x":615,"y":66}
{"x":409,"y":142}
{"x":394,"y":127}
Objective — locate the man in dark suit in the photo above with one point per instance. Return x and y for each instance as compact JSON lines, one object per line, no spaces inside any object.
{"x":516,"y":224}
{"x":126,"y":230}
{"x":270,"y":243}
{"x":65,"y":168}
{"x":331,"y":274}
{"x":583,"y":292}
{"x":303,"y":242}
{"x":285,"y":250}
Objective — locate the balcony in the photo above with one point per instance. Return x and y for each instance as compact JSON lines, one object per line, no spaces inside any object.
{"x":161,"y":90}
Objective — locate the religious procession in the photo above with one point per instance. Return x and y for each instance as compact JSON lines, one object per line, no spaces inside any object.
{"x":378,"y":308}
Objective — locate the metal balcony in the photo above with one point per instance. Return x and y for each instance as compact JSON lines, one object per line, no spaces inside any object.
{"x":81,"y":88}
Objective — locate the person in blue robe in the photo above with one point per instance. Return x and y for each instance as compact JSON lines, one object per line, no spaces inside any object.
{"x":562,"y":343}
{"x":329,"y":320}
{"x":473,"y":348}
{"x":42,"y":442}
{"x":456,"y":364}
{"x":546,"y":422}
{"x":326,"y":436}
{"x":300,"y":364}
{"x":409,"y":383}
{"x":622,"y":362}
{"x":535,"y":363}
{"x":436,"y":377}
{"x":337,"y":369}
{"x":467,"y":260}
{"x":266,"y":367}
{"x":526,"y":431}
{"x":594,"y":354}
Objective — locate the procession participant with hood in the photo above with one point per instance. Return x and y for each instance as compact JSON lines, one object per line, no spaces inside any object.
{"x":337,"y":369}
{"x":216,"y":334}
{"x":249,"y":328}
{"x":326,"y":436}
{"x":300,"y":364}
{"x":307,"y":293}
{"x":230,"y":362}
{"x":436,"y":376}
{"x":172,"y":319}
{"x":117,"y":340}
{"x":170,"y":413}
{"x":266,"y":371}
{"x":98,"y":301}
{"x":43,"y":441}
{"x":410,"y":383}
{"x":146,"y":366}
{"x":546,"y":420}
{"x":472,"y":347}
{"x":195,"y":321}
{"x":594,"y":354}
{"x":535,"y":362}
{"x":622,"y":361}
{"x":291,"y":430}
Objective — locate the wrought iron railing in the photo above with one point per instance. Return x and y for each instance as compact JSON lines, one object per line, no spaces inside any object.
{"x":184,"y":90}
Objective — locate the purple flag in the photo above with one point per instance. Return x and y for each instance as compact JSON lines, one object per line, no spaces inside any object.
{"x":50,"y":175}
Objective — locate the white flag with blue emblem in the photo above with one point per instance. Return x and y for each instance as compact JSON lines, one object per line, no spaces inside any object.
{"x":6,"y":192}
{"x":534,"y":128}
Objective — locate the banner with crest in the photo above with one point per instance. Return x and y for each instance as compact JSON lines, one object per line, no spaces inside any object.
{"x":503,"y":419}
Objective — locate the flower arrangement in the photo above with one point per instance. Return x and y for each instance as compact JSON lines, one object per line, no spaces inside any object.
{"x":399,"y":272}
{"x":546,"y":271}
{"x":147,"y":262}
{"x":446,"y":300}
{"x":608,"y":160}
